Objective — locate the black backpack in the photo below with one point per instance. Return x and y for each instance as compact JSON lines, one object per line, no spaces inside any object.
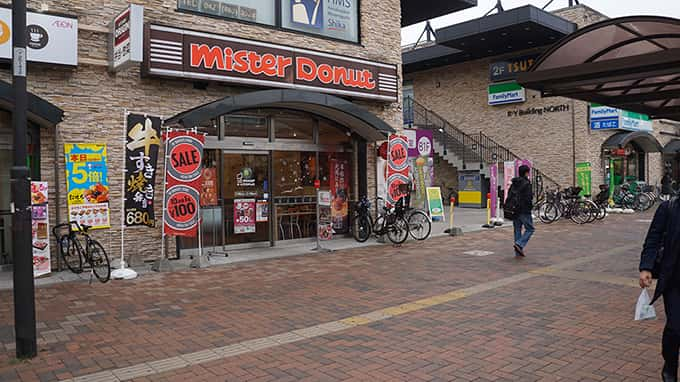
{"x":659,"y":256}
{"x":511,"y":208}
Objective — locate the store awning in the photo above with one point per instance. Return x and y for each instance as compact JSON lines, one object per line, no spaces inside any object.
{"x":346,"y":113}
{"x":415,"y":11}
{"x":673,"y":147}
{"x":40,"y":111}
{"x":630,"y":63}
{"x":513,"y":30}
{"x":645,"y":140}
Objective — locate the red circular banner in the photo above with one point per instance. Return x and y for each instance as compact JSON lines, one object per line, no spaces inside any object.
{"x":185,"y":158}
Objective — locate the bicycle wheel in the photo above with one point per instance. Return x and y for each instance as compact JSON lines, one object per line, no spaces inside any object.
{"x":361,"y":228}
{"x":419,"y":225}
{"x":593,"y":210}
{"x":379,"y":225}
{"x":99,"y":261}
{"x":602,"y":213}
{"x":644,"y":202}
{"x":579,"y":213}
{"x":397,"y":232}
{"x":71,"y":253}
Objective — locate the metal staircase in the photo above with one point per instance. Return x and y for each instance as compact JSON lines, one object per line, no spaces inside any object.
{"x":467,"y":151}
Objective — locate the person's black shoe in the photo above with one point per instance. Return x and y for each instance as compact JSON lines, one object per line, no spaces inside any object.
{"x":518,"y":250}
{"x":669,"y":375}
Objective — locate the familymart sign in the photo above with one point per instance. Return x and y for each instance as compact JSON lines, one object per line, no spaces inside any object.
{"x":501,"y":94}
{"x":609,"y":118}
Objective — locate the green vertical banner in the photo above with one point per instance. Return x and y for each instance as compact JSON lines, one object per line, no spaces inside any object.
{"x":584,"y":173}
{"x":611,"y":180}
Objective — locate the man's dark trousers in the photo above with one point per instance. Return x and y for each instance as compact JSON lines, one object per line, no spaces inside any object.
{"x":671,"y":333}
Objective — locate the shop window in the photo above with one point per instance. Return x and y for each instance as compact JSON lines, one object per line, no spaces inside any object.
{"x":291,"y":125}
{"x":332,"y":134}
{"x":257,"y":11}
{"x":338,"y":19}
{"x":251,"y":125}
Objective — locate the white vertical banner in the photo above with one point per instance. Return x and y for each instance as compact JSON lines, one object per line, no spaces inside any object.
{"x":40,"y":219}
{"x":508,"y":174}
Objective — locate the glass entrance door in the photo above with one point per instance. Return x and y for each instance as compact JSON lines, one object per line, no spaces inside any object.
{"x":245,"y":195}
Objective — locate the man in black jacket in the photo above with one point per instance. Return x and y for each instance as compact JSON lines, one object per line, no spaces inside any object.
{"x":524,"y":218}
{"x":662,"y":240}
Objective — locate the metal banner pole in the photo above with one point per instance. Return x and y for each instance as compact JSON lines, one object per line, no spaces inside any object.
{"x":123,"y":273}
{"x":163,"y":264}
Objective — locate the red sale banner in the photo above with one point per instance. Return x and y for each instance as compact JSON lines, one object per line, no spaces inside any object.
{"x":339,"y":185}
{"x":183,"y":182}
{"x":397,"y":167}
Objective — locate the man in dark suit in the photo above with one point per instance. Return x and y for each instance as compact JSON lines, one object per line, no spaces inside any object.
{"x":660,"y":254}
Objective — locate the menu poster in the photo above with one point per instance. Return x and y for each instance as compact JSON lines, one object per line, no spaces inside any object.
{"x":244,"y":216}
{"x":141,"y":157}
{"x":339,"y":183}
{"x":87,"y":184}
{"x":40,"y":223}
{"x":209,"y":187}
{"x":262,"y":211}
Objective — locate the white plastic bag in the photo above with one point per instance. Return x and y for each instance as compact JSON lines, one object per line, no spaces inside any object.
{"x":644,"y":311}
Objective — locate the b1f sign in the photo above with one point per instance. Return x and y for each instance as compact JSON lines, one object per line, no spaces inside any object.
{"x":127,"y":34}
{"x":50,"y":39}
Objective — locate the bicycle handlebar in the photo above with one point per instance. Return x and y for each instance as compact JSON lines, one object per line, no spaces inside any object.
{"x":79,"y":228}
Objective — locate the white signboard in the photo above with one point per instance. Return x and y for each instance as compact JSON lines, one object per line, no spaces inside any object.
{"x":51,"y":39}
{"x":127,"y":35}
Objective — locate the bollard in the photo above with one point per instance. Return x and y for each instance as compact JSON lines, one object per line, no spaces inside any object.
{"x":488,"y":212}
{"x":453,"y":231}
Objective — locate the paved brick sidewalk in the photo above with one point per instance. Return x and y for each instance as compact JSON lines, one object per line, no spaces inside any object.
{"x":544,"y":323}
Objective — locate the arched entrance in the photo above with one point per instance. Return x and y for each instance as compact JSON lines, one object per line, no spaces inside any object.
{"x":265,"y":149}
{"x":627,"y":156}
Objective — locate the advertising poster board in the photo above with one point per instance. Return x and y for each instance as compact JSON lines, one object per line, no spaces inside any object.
{"x":493,"y":180}
{"x":584,"y":177}
{"x":209,"y":187}
{"x":141,"y":158}
{"x":87,"y":184}
{"x":508,"y":174}
{"x":434,"y":204}
{"x":397,"y":167}
{"x":420,"y":152}
{"x":41,"y":229}
{"x":184,"y":159}
{"x":244,"y":216}
{"x":339,"y":187}
{"x":325,"y":225}
{"x":262,"y":213}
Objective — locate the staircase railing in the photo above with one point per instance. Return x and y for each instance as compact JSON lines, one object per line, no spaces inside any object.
{"x":472,"y":149}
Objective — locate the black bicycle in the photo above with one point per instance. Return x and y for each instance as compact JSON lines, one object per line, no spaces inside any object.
{"x":390,"y":222}
{"x":77,"y":247}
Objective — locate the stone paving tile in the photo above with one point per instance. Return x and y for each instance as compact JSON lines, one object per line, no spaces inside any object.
{"x":122,"y":324}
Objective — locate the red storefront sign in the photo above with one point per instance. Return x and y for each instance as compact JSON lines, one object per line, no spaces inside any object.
{"x":173,"y":52}
{"x":183,"y":182}
{"x":397,"y":167}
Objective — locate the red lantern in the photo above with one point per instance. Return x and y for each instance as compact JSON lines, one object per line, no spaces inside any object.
{"x":382,"y":150}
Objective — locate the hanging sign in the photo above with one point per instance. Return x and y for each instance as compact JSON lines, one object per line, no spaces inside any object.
{"x":244,"y":216}
{"x":127,"y":38}
{"x":397,"y":167}
{"x":41,"y":228}
{"x":434,"y":203}
{"x":52,"y":39}
{"x":182,"y":53}
{"x":183,"y":182}
{"x":87,"y":184}
{"x":584,"y":177}
{"x":339,"y":185}
{"x":501,"y":94}
{"x":141,"y":157}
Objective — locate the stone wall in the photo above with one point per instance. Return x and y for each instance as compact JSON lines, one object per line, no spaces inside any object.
{"x":94,"y":100}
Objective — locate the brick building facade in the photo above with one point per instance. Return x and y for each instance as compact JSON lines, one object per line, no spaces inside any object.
{"x":553,"y":133}
{"x":94,"y":99}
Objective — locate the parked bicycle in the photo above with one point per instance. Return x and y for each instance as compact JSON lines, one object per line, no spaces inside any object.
{"x":569,"y":204}
{"x":77,"y":247}
{"x":397,"y":222}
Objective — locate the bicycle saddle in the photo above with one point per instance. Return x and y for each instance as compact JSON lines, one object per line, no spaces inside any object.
{"x":85,"y":227}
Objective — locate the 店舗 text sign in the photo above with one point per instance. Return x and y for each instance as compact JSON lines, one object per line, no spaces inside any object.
{"x":182,"y":53}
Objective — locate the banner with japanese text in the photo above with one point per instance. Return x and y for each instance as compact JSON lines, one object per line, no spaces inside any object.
{"x":584,"y":172}
{"x":40,"y":219}
{"x":141,"y":157}
{"x":87,"y":184}
{"x":245,"y":216}
{"x":339,"y":187}
{"x":508,"y":175}
{"x":397,"y":167}
{"x":184,"y":159}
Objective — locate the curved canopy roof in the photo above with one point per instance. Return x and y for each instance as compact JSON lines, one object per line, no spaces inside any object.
{"x":334,"y":108}
{"x":645,"y":140}
{"x":40,"y":111}
{"x":630,"y":63}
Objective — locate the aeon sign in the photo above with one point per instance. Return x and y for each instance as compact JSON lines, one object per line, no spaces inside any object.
{"x":181,"y":53}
